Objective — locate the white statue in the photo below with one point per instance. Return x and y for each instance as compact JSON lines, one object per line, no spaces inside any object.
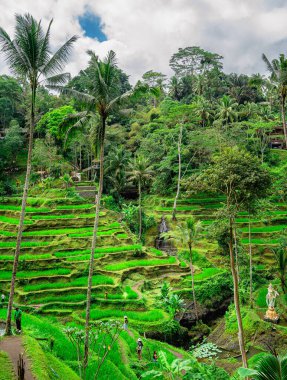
{"x":271,"y":296}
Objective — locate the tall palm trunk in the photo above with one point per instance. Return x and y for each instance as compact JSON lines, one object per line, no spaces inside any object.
{"x":8,"y":330}
{"x":283,"y":110}
{"x":140,"y":209}
{"x":236,"y":296}
{"x":94,"y":241}
{"x":236,"y":254}
{"x":179,"y":174}
{"x":250,"y":264}
{"x":192,"y":283}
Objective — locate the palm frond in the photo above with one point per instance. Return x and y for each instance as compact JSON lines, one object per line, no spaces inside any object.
{"x":81,"y":96}
{"x":118,"y":99}
{"x":269,"y":65}
{"x":59,"y":79}
{"x":60,"y":58}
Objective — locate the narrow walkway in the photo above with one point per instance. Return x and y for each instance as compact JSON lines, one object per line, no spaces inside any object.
{"x":135,"y":288}
{"x":175,"y":353}
{"x":12,"y":345}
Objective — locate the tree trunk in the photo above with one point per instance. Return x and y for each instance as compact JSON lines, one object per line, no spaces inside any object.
{"x":140,"y":210}
{"x":284,"y":120}
{"x":236,"y":254}
{"x":236,"y":297}
{"x":8,"y":330}
{"x":92,"y":258}
{"x":250,"y":264}
{"x":179,"y":173}
{"x":192,"y":283}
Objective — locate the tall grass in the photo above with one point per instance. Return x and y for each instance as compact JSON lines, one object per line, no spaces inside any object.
{"x":140,"y":263}
{"x":62,"y":216}
{"x":266,"y":229}
{"x":75,"y":207}
{"x":6,"y":219}
{"x":12,"y":244}
{"x":260,"y":241}
{"x":24,"y":257}
{"x":28,"y":209}
{"x":144,"y":316}
{"x":77,"y":282}
{"x":7,"y":233}
{"x":5,"y":275}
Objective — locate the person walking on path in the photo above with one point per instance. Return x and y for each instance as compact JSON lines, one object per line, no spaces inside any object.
{"x":18,"y":317}
{"x":2,"y":299}
{"x":139,"y":348}
{"x":126,"y":323}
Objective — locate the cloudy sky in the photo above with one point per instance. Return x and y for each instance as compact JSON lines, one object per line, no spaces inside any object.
{"x":145,"y":33}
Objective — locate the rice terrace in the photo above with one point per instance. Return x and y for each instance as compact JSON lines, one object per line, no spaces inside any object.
{"x":143,"y":190}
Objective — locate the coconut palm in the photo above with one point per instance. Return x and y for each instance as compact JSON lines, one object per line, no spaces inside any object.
{"x":269,"y":367}
{"x":186,"y":236}
{"x":278,"y":70}
{"x":29,"y":57}
{"x":227,"y":110}
{"x":116,"y":170}
{"x":140,"y":172}
{"x":101,"y":97}
{"x":203,"y":110}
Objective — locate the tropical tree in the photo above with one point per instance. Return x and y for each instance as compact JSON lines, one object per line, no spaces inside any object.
{"x":280,"y":253}
{"x":117,"y":161}
{"x":242,"y":180}
{"x":29,"y":57}
{"x":179,"y":142}
{"x":186,"y":236}
{"x":278,"y":70}
{"x":269,"y":367}
{"x":140,"y":172}
{"x":227,"y":110}
{"x":203,"y":110}
{"x":100,"y":96}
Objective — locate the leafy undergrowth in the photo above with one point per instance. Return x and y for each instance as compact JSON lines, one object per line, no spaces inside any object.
{"x":6,"y":367}
{"x":53,"y":356}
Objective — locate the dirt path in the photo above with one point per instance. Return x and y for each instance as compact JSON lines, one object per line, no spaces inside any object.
{"x":135,"y":288}
{"x":175,"y":353}
{"x":12,"y":345}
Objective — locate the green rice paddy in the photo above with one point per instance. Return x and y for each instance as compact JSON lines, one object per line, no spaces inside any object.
{"x":140,"y":263}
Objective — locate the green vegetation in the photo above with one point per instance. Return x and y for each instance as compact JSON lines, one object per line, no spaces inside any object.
{"x":163,"y":201}
{"x":81,"y":281}
{"x":140,"y":263}
{"x":146,"y":316}
{"x":7,"y":371}
{"x":49,"y":272}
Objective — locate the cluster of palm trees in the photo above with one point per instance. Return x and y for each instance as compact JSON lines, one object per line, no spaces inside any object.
{"x":29,"y":57}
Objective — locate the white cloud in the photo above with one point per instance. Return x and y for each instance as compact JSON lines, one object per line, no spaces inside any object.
{"x":145,"y":33}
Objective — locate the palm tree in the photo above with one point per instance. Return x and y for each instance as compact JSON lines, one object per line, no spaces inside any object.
{"x":227,"y":110}
{"x":278,"y":70}
{"x":140,"y":172}
{"x":100,"y":99}
{"x":186,"y":236}
{"x":269,"y":367}
{"x":29,"y":57}
{"x":203,"y":110}
{"x":115,"y":171}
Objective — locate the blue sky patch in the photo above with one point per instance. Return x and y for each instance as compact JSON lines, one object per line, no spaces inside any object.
{"x":92,"y":25}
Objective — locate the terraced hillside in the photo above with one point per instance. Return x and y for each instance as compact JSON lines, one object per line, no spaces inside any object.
{"x":52,"y":276}
{"x":264,"y":232}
